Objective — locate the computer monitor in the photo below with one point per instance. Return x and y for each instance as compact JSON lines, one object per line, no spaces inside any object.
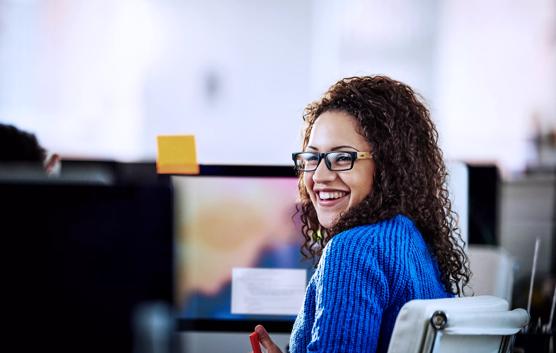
{"x":231,"y":220}
{"x":484,"y":199}
{"x":82,"y":262}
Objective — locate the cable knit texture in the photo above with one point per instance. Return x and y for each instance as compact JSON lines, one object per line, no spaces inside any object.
{"x":364,"y":277}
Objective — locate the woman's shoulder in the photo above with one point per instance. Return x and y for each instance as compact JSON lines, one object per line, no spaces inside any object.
{"x":378,"y":245}
{"x":399,"y":228}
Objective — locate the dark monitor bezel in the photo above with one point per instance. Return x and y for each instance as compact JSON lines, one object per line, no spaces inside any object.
{"x":233,"y":170}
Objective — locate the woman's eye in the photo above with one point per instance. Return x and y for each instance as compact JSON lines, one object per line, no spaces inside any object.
{"x":343,"y":158}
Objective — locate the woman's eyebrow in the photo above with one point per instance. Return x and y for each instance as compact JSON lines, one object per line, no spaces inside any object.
{"x":336,"y":148}
{"x":343,"y":147}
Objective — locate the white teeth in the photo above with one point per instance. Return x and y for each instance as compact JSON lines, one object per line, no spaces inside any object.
{"x":331,"y":195}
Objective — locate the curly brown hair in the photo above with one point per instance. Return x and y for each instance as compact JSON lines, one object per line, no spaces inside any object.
{"x":410,"y":175}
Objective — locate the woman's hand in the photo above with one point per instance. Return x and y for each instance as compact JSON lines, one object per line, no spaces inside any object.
{"x":266,"y":341}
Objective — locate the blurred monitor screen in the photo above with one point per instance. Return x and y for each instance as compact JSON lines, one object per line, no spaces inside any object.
{"x":231,"y":220}
{"x":81,"y":261}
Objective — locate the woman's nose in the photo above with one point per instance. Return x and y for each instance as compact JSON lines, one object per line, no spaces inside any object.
{"x":322,"y":173}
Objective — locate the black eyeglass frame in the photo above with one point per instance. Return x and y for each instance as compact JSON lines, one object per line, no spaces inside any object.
{"x":323,"y":155}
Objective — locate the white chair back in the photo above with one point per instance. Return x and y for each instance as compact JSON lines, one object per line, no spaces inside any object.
{"x":493,"y":271}
{"x":481,"y":324}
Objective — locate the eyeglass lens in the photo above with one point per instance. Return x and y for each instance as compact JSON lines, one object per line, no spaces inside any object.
{"x":308,"y":161}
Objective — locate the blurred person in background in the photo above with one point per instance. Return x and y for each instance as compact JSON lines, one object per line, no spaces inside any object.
{"x":21,"y":148}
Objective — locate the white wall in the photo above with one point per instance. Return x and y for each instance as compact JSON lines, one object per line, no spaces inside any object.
{"x":101,"y":79}
{"x":236,"y":74}
{"x":487,"y":69}
{"x":72,"y":72}
{"x":366,"y":37}
{"x":496,"y":75}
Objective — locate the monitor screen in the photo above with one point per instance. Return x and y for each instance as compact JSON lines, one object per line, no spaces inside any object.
{"x":238,"y":241}
{"x":82,"y":262}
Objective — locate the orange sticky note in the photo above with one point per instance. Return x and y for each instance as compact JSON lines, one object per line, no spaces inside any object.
{"x":176,"y":155}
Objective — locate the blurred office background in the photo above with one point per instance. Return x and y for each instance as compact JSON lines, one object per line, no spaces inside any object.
{"x":100,"y":79}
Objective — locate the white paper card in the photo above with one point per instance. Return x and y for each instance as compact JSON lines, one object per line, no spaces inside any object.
{"x":268,"y":291}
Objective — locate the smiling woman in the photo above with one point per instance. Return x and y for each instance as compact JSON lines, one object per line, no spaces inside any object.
{"x":332,"y":191}
{"x":376,"y":216}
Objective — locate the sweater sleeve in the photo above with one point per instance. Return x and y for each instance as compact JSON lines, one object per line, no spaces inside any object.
{"x":351,"y":294}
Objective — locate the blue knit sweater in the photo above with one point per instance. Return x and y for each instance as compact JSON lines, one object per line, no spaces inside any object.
{"x":364,"y":277}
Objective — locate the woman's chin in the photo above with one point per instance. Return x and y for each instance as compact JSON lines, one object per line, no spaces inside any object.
{"x":328,"y":221}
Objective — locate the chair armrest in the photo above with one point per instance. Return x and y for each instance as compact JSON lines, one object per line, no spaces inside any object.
{"x":487,"y":323}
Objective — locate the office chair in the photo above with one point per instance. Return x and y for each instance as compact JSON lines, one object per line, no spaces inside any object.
{"x":493,"y":271}
{"x":470,"y":324}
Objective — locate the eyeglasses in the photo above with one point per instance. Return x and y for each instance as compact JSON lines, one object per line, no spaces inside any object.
{"x":335,"y":161}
